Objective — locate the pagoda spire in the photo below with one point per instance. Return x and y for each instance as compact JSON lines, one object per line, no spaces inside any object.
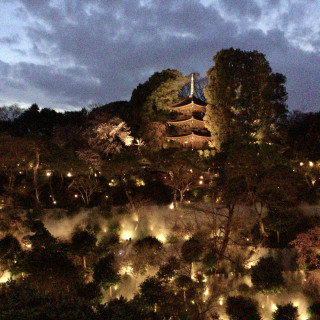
{"x":192,"y":86}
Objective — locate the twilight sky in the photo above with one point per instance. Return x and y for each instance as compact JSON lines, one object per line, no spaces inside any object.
{"x":65,"y":54}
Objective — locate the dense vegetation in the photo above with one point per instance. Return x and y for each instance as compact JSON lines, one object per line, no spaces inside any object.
{"x":85,"y":198}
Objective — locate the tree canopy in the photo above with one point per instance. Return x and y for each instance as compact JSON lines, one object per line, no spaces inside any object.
{"x":244,"y":96}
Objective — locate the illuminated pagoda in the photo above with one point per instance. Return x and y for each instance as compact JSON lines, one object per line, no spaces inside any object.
{"x":188,"y":127}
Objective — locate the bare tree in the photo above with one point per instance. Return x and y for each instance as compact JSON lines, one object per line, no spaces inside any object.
{"x":86,"y":186}
{"x":199,"y":84}
{"x":180,"y":178}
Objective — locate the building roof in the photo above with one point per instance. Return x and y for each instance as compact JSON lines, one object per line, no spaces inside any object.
{"x":192,"y":118}
{"x":191,"y":135}
{"x":189,"y":100}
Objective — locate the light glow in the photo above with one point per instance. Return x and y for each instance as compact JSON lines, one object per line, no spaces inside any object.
{"x":126,"y":235}
{"x":161,"y":237}
{"x":5,"y":277}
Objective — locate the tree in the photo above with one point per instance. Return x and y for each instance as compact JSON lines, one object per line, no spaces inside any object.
{"x":304,"y":135}
{"x":150,"y":101}
{"x":9,"y":250}
{"x":147,"y":252}
{"x":155,"y":95}
{"x":82,"y":244}
{"x":155,"y":135}
{"x":307,"y":245}
{"x":104,"y":137}
{"x":266,"y":275}
{"x":192,"y":250}
{"x":242,"y":308}
{"x":86,"y":186}
{"x":122,"y":309}
{"x":104,"y":272}
{"x":48,"y":270}
{"x":9,"y":113}
{"x":286,"y":312}
{"x":152,"y":291}
{"x":181,"y":177}
{"x":244,"y":96}
{"x":14,"y":156}
{"x":199,"y":85}
{"x":20,"y":300}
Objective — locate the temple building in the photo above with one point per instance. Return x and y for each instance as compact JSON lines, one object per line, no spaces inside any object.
{"x":188,"y":128}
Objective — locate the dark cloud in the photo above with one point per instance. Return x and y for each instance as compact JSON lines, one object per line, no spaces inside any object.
{"x":9,"y":40}
{"x":98,"y":51}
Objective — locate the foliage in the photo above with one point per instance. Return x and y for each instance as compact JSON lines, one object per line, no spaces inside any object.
{"x":49,"y":270}
{"x":18,"y":300}
{"x":9,"y":250}
{"x":147,"y":252}
{"x":244,"y":96}
{"x":312,"y":285}
{"x":155,"y":135}
{"x":152,"y":291}
{"x":152,"y":99}
{"x":192,"y":250}
{"x":287,"y":311}
{"x":104,"y":137}
{"x":242,"y":308}
{"x":314,"y":310}
{"x":304,"y":135}
{"x":83,"y":243}
{"x":266,"y":275}
{"x":122,"y":309}
{"x":105,"y":273}
{"x":168,"y":270}
{"x":307,"y":245}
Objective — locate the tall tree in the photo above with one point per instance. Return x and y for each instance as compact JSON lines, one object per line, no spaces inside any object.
{"x":244,"y":96}
{"x":150,"y":100}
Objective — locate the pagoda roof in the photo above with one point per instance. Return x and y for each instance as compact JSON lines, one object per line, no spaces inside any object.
{"x":189,"y":100}
{"x":190,"y":135}
{"x":192,"y":118}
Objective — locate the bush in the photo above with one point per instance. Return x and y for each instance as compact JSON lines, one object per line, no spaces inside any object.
{"x":266,"y":276}
{"x":314,"y":311}
{"x":242,"y":308}
{"x":286,"y":312}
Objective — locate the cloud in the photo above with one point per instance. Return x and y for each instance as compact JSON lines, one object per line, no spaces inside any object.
{"x":242,"y":7}
{"x":98,"y":51}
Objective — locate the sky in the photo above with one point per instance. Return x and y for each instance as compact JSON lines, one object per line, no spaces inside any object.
{"x":67,"y":54}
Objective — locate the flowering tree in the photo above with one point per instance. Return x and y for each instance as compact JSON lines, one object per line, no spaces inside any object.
{"x":307,"y":245}
{"x":110,"y":137}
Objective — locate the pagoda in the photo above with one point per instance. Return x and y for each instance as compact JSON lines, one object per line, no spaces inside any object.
{"x":188,"y":126}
